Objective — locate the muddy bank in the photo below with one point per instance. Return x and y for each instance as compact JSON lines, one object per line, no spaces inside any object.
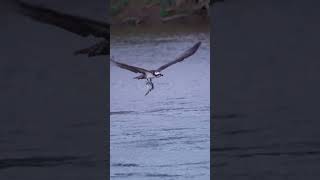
{"x":173,"y":28}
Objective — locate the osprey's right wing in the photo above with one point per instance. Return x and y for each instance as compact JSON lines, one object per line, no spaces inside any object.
{"x":182,"y":57}
{"x":79,"y":25}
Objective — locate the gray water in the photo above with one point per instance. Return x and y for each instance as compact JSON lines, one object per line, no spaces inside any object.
{"x":165,"y":135}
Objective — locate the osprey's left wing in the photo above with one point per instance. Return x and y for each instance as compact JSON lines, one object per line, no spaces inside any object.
{"x":183,"y":56}
{"x":75,"y":24}
{"x":129,"y":67}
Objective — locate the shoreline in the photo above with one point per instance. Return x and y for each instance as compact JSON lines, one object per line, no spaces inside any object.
{"x":160,"y":28}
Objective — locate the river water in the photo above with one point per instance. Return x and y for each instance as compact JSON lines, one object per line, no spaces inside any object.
{"x":165,"y":135}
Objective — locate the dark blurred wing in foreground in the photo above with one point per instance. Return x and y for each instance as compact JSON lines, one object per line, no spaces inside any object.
{"x":79,"y":25}
{"x":130,"y":68}
{"x":214,"y":1}
{"x":183,"y":56}
{"x":101,"y":48}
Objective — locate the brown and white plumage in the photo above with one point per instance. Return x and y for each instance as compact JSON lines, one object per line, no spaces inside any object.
{"x":150,"y":74}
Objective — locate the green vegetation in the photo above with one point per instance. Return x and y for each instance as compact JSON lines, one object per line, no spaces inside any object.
{"x":163,"y":13}
{"x":117,"y":6}
{"x":164,"y":4}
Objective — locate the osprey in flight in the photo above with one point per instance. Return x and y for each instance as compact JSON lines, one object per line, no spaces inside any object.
{"x":75,"y":24}
{"x":150,"y":74}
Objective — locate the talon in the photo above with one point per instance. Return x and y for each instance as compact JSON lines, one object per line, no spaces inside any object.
{"x":150,"y":84}
{"x":147,"y":93}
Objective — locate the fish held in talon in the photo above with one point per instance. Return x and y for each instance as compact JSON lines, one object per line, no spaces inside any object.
{"x":151,"y":87}
{"x":153,"y":74}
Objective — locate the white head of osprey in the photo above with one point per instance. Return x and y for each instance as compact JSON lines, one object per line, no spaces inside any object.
{"x":157,"y":74}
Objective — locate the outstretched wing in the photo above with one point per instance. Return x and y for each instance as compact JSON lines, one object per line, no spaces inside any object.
{"x":130,"y":68}
{"x":214,"y":1}
{"x":101,"y":48}
{"x":79,"y":25}
{"x":183,"y":56}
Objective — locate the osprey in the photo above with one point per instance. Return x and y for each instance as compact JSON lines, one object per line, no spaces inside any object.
{"x":151,"y":74}
{"x":75,"y":24}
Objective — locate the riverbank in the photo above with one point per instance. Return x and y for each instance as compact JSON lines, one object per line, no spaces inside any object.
{"x":153,"y":15}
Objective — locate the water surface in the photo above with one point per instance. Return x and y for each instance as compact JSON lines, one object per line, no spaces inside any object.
{"x":164,"y":135}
